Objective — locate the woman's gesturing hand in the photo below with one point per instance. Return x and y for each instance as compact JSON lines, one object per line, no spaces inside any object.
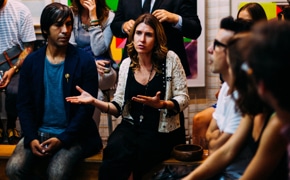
{"x":154,"y":101}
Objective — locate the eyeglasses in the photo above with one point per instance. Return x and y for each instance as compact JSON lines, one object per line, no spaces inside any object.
{"x":218,"y":43}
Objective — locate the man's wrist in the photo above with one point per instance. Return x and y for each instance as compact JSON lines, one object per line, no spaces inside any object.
{"x":178,"y":25}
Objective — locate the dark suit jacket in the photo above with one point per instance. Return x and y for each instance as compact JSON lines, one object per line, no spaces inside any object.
{"x":82,"y":71}
{"x":191,"y":28}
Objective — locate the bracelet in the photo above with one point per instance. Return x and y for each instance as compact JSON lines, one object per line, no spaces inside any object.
{"x":15,"y":68}
{"x":94,"y":21}
{"x":95,"y":24}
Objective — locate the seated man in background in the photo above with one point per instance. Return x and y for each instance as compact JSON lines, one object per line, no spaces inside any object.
{"x":226,"y":117}
{"x":251,"y":13}
{"x":57,"y":135}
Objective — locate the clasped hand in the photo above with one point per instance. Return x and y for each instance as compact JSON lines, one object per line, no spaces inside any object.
{"x":45,"y":148}
{"x":154,"y":101}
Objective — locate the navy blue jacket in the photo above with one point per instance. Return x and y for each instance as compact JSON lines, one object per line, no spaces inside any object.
{"x":81,"y":128}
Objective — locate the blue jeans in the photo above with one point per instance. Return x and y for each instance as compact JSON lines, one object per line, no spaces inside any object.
{"x":23,"y":164}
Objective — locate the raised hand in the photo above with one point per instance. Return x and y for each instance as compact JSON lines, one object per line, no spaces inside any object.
{"x":154,"y":101}
{"x":84,"y":98}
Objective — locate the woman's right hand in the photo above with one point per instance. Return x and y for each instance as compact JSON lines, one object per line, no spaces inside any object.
{"x":84,"y":98}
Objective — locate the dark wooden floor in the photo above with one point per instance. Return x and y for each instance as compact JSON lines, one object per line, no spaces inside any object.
{"x":2,"y":170}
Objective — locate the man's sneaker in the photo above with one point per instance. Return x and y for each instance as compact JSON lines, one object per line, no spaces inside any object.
{"x":13,"y":136}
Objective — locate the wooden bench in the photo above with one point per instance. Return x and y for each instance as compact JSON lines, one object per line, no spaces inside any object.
{"x":7,"y":150}
{"x":89,"y":168}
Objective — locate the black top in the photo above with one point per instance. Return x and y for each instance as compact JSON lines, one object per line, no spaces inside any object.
{"x":150,"y":89}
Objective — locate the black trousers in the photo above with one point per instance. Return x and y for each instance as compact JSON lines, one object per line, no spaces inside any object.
{"x":137,"y":149}
{"x":11,"y":101}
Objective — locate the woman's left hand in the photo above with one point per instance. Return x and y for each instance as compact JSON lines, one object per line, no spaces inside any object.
{"x":154,"y":101}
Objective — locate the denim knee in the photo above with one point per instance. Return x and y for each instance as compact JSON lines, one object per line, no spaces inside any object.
{"x":56,"y":173}
{"x":13,"y":170}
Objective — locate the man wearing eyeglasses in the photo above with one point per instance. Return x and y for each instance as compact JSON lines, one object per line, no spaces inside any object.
{"x":226,"y":118}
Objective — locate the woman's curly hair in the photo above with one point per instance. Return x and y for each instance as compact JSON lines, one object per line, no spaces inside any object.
{"x":159,"y":50}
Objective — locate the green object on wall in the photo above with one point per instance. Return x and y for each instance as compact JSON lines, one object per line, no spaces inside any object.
{"x":113,"y":4}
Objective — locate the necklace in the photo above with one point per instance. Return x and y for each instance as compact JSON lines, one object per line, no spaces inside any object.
{"x":146,"y":87}
{"x":85,"y":27}
{"x":84,"y":20}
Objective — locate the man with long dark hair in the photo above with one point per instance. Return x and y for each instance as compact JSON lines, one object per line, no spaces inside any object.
{"x":57,"y":135}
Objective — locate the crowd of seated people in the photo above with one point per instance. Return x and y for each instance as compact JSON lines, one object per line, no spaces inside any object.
{"x":249,"y":122}
{"x":253,"y":13}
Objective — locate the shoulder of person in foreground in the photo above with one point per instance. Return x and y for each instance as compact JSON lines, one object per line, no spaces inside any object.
{"x":272,"y":148}
{"x":225,"y":154}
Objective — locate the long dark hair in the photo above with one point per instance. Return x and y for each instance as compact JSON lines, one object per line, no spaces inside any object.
{"x":269,"y":58}
{"x":255,"y":10}
{"x":248,"y":100}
